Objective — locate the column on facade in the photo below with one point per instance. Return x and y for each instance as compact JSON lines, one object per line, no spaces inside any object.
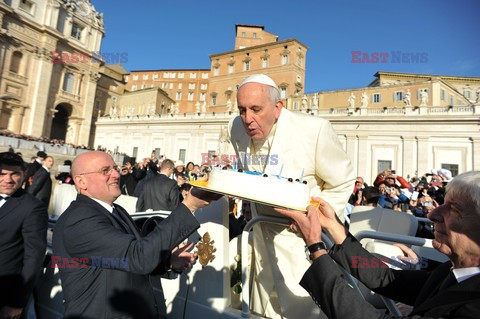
{"x":89,"y":88}
{"x":409,"y":156}
{"x":362,"y":156}
{"x":73,"y":130}
{"x":422,"y":155}
{"x":350,"y":149}
{"x":475,"y":153}
{"x":16,"y":117}
{"x":40,"y":85}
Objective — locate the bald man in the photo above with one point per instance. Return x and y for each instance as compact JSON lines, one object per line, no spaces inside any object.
{"x":105,"y":264}
{"x":296,"y":146}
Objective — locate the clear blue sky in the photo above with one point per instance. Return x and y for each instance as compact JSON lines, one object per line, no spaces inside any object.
{"x":168,"y":34}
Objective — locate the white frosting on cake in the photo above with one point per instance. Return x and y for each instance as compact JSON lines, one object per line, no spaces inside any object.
{"x":273,"y":190}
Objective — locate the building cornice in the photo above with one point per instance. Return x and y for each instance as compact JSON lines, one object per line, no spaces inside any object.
{"x":257,"y":47}
{"x":426,"y":76}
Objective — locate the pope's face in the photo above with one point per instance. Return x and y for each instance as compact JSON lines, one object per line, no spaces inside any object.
{"x":257,"y":110}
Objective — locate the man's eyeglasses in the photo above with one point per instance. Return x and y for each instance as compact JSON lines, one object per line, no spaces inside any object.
{"x":104,"y":171}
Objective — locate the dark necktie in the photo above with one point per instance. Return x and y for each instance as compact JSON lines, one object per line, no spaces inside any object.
{"x":449,"y":281}
{"x":118,"y":217}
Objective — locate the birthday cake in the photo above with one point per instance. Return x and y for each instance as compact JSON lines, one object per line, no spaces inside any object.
{"x":272,"y":190}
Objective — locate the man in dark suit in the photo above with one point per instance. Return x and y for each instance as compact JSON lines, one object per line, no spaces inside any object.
{"x":160,"y":192}
{"x":111,"y":278}
{"x":33,"y":167}
{"x":452,"y":290}
{"x":41,"y":186}
{"x":23,"y":238}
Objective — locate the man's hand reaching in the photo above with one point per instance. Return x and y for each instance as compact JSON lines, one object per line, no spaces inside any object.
{"x":181,"y":260}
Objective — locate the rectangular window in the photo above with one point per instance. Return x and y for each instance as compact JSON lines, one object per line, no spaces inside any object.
{"x":178,"y":96}
{"x":398,"y":96}
{"x":211,"y":153}
{"x":451,"y":100}
{"x":265,"y":63}
{"x":193,"y":75}
{"x":216,"y":71}
{"x":135,"y":151}
{"x":284,"y":59}
{"x":382,"y":165}
{"x":376,"y":98}
{"x":191,"y":96}
{"x":191,"y":86}
{"x":171,"y":86}
{"x":180,"y":85}
{"x":26,"y":5}
{"x":181,"y":75}
{"x":145,"y":76}
{"x":466,"y":94}
{"x":451,"y":167}
{"x":157,"y":152}
{"x":204,"y":75}
{"x":143,"y":86}
{"x":254,"y":35}
{"x":155,"y":76}
{"x":231,"y":68}
{"x":126,"y":79}
{"x":243,"y":34}
{"x":172,"y":75}
{"x":299,"y":61}
{"x":164,"y":85}
{"x":295,"y":105}
{"x":203,"y":96}
{"x":283,"y":93}
{"x":203,"y":86}
{"x":77,"y":31}
{"x":442,"y":95}
{"x":246,"y":66}
{"x":68,"y":80}
{"x":181,"y":154}
{"x":134,"y":87}
{"x":166,"y":75}
{"x":214,"y":100}
{"x":135,"y":77}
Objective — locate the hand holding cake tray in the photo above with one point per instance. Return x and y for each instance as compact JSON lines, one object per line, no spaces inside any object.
{"x":257,"y":187}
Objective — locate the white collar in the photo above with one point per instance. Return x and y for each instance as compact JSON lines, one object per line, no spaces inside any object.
{"x":48,"y":170}
{"x":105,"y":205}
{"x":462,"y":274}
{"x":38,"y":161}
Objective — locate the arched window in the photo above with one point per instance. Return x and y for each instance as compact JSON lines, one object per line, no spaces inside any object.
{"x":68,"y":82}
{"x":16,"y":61}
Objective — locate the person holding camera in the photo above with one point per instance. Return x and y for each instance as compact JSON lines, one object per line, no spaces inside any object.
{"x":390,"y":176}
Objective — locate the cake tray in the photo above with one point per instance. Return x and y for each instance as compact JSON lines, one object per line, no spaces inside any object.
{"x":201,"y":185}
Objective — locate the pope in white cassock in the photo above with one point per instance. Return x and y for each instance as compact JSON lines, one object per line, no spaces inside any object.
{"x":296,"y":145}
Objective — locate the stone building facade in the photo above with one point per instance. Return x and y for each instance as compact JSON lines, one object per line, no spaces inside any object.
{"x":48,"y":72}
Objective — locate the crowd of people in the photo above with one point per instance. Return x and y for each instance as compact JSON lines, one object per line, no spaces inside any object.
{"x":55,"y":142}
{"x":288,"y":282}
